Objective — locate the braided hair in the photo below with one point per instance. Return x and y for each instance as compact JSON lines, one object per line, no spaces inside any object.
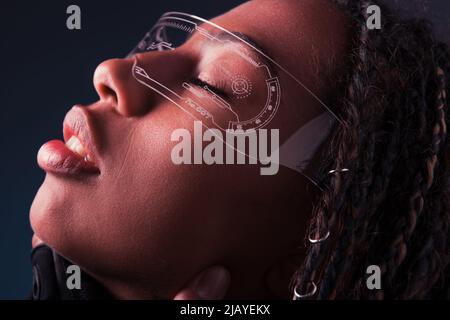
{"x":391,"y":207}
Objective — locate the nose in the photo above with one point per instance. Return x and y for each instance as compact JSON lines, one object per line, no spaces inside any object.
{"x":115,"y":84}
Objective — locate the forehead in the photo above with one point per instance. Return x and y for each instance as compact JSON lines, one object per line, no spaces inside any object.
{"x":301,"y":35}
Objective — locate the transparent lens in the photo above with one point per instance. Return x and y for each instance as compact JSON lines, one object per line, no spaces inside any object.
{"x":236,"y":89}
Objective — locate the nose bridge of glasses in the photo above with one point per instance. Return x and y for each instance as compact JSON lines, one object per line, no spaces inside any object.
{"x":167,"y":67}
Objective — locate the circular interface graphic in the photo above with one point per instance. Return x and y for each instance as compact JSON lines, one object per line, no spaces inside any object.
{"x":241,"y":87}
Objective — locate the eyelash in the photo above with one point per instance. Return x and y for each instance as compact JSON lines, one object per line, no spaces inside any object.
{"x":200,"y":83}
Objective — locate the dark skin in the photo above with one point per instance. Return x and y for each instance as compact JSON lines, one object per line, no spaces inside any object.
{"x":169,"y":220}
{"x":210,"y":284}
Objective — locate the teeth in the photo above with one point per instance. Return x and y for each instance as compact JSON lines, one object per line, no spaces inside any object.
{"x":75,"y":145}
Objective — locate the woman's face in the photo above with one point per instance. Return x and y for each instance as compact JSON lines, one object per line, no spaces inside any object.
{"x":142,"y":225}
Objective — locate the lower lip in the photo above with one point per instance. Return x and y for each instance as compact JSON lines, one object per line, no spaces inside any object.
{"x":55,"y":157}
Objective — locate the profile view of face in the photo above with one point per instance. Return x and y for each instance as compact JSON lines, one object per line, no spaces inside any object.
{"x":142,"y":225}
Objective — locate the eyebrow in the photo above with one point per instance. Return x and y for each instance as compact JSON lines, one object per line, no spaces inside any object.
{"x":240,"y":37}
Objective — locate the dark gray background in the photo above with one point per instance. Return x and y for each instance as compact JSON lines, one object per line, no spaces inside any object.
{"x":45,"y":69}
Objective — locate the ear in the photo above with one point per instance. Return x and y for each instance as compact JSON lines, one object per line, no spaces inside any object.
{"x":278,"y":277}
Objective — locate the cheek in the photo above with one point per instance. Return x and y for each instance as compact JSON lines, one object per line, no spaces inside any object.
{"x":147,"y":217}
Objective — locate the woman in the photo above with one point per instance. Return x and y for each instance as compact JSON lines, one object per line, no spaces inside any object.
{"x":142,"y":227}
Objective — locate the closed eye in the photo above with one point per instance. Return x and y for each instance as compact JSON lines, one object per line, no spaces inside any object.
{"x":205,"y":85}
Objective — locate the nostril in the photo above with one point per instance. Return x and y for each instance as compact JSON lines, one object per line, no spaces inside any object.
{"x":114,"y":84}
{"x":111,"y":93}
{"x":108,"y":94}
{"x":104,"y":81}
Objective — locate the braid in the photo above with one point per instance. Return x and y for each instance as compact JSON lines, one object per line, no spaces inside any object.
{"x":405,"y":221}
{"x":391,"y":208}
{"x":358,"y":95}
{"x":427,"y":267}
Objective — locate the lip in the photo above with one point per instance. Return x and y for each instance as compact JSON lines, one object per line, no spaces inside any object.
{"x":54,"y":156}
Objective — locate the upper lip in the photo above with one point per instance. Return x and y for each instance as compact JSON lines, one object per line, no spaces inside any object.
{"x":77,"y":123}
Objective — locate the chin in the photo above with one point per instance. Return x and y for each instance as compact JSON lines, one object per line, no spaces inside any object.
{"x":49,"y":214}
